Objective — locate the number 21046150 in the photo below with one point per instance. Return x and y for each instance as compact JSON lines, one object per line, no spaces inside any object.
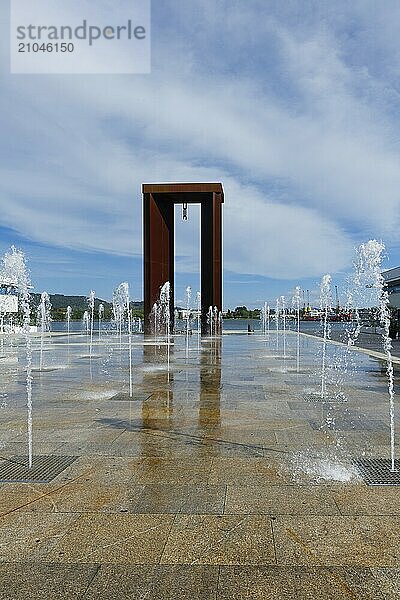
{"x":49,"y":47}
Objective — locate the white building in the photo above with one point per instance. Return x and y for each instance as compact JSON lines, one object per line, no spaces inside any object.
{"x":8,"y":301}
{"x":392,"y":279}
{"x":8,"y":297}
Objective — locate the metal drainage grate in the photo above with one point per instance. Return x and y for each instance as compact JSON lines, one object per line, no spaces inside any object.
{"x":43,"y":470}
{"x":377,"y":471}
{"x":316,"y":397}
{"x":124,"y":397}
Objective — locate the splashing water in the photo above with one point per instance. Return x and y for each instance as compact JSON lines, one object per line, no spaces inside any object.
{"x":101,"y":315}
{"x":44,"y":313}
{"x":198,"y":296}
{"x":277,"y":309}
{"x":296,"y":303}
{"x":264,"y":316}
{"x":68,"y":315}
{"x":215,"y":318}
{"x":155,"y":320}
{"x":123,"y":302}
{"x":165,"y":301}
{"x":90,"y":300}
{"x":326,"y":304}
{"x":284,"y":324}
{"x":188,"y":299}
{"x":14,"y":268}
{"x":368,"y":276}
{"x":119,"y":308}
{"x":320,"y":468}
{"x":86,"y":322}
{"x":210,"y":319}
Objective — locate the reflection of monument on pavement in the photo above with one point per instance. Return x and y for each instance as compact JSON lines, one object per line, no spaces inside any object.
{"x":157,"y":414}
{"x":155,"y":352}
{"x":210,"y":385}
{"x":157,"y":410}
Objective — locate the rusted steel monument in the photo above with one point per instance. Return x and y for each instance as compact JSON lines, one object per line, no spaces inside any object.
{"x":158,"y":230}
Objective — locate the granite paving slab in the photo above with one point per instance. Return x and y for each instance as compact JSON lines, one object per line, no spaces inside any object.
{"x":38,"y":581}
{"x":338,"y":541}
{"x":154,"y":583}
{"x":113,"y":538}
{"x":217,"y":540}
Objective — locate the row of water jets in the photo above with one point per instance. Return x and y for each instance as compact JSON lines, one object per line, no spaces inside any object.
{"x":367,"y":289}
{"x":160,"y":314}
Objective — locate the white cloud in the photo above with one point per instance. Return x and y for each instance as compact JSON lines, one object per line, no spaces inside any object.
{"x":301,"y":171}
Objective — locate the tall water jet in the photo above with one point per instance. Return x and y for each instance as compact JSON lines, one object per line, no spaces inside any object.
{"x":118,"y":312}
{"x":155,"y":319}
{"x":326,"y":304}
{"x":86,"y":322}
{"x":264,"y":317}
{"x":277,"y":308}
{"x":387,"y":347}
{"x":188,"y":300}
{"x":90,"y":300}
{"x":15,"y":268}
{"x":216,"y":323}
{"x":44,"y":313}
{"x":68,"y":316}
{"x":283,"y":306}
{"x":262,"y":320}
{"x":210,"y":317}
{"x":198,"y":296}
{"x":368,"y":276}
{"x":165,"y":299}
{"x":115,"y":317}
{"x":101,"y":315}
{"x":296,"y":302}
{"x":123,"y":302}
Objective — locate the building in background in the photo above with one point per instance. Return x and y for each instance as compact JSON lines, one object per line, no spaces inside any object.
{"x":392,"y":279}
{"x":8,"y":302}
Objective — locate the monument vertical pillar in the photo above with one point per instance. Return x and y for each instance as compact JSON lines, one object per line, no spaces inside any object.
{"x":158,"y":227}
{"x":211,"y":257}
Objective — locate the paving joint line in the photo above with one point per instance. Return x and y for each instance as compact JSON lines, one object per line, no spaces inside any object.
{"x":98,"y":567}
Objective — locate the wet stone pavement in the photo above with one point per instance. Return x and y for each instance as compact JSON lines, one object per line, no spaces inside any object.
{"x":227,"y":478}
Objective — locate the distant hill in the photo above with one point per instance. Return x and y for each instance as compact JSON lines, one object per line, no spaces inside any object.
{"x":79,"y":304}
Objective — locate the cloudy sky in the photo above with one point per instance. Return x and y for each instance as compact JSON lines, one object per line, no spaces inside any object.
{"x":292,"y":105}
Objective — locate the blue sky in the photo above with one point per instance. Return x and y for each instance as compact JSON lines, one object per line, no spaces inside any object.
{"x":292,"y":105}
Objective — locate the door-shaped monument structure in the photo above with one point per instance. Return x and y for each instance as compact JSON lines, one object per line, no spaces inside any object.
{"x":159,"y":200}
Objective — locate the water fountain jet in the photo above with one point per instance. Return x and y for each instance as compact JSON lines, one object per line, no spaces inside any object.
{"x":14,"y":268}
{"x":101,"y":315}
{"x":326,"y":303}
{"x":44,"y":313}
{"x":296,"y":303}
